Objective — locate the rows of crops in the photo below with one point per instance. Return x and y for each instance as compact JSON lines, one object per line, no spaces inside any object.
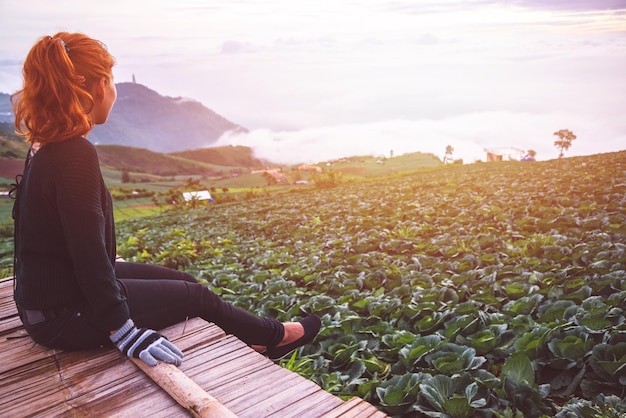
{"x":485,"y":290}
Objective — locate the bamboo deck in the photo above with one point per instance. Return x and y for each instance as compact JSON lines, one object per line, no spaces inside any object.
{"x":36,"y":381}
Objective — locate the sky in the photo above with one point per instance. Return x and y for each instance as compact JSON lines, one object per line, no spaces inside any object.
{"x":314,"y":80}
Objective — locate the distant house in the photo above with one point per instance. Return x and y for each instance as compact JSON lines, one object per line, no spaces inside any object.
{"x":200,"y":195}
{"x":310,"y":168}
{"x":274,"y":172}
{"x":504,"y":154}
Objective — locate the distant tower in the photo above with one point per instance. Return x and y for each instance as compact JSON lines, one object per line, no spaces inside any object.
{"x":391,"y":154}
{"x":134,"y":81}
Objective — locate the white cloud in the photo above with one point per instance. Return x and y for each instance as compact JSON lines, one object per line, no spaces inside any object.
{"x":468,"y":134}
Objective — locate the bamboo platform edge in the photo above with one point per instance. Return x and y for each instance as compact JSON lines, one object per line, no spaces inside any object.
{"x":38,"y":381}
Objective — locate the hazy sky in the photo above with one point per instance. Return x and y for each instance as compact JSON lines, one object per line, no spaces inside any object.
{"x":315,"y":80}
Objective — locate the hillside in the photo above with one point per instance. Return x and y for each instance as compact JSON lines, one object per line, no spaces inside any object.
{"x":233,"y":156}
{"x":205,"y":161}
{"x":143,"y":118}
{"x":6,"y":113}
{"x":12,"y":154}
{"x":139,"y":160}
{"x":11,"y":147}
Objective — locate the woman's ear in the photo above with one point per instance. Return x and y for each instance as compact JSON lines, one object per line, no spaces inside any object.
{"x":99,"y":89}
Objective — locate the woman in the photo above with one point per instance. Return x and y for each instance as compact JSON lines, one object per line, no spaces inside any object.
{"x":69,"y":291}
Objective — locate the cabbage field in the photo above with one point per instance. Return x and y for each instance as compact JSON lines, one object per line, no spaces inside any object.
{"x":490,"y":289}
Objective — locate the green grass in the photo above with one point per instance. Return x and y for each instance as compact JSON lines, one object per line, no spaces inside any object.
{"x":368,"y":167}
{"x":134,"y":208}
{"x":132,"y":212}
{"x":6,"y":207}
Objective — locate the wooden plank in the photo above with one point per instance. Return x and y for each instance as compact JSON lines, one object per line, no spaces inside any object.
{"x":212,"y":375}
{"x":193,"y":333}
{"x":11,"y":325}
{"x":70,"y":387}
{"x":7,"y":304}
{"x":130,"y":397}
{"x":33,"y":388}
{"x":135,"y":396}
{"x":264,"y":404}
{"x":208,"y":368}
{"x":21,"y":351}
{"x":355,"y":408}
{"x":270,"y":378}
{"x":96,"y":371}
{"x":184,"y":390}
{"x":5,"y":283}
{"x":315,"y":406}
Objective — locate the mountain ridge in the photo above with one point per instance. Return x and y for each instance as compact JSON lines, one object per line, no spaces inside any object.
{"x":143,"y":118}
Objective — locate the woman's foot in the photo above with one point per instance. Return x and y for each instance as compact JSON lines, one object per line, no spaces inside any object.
{"x":259,"y":348}
{"x":296,"y":335}
{"x":293,"y":332}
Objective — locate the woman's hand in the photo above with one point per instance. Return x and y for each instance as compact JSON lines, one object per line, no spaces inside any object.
{"x":145,"y":344}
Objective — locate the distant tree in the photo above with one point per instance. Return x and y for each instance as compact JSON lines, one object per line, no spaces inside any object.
{"x":327,"y":179}
{"x":156,"y":202}
{"x":530,"y":155}
{"x":173,"y":197}
{"x":125,"y":176}
{"x":448,"y":157}
{"x":296,"y":174}
{"x":269,"y":178}
{"x":191,"y":183}
{"x":565,"y":140}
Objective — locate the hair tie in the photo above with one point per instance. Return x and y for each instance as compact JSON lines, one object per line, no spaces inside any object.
{"x":67,"y":48}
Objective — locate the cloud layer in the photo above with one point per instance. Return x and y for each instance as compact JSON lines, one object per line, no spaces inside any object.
{"x":469,"y":135}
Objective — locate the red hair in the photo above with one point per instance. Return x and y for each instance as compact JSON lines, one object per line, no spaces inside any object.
{"x":60,"y":73}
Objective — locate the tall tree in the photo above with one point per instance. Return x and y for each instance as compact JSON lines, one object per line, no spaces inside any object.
{"x":565,"y":140}
{"x":448,"y":156}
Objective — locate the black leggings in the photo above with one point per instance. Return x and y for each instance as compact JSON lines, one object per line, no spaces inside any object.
{"x":157,"y":298}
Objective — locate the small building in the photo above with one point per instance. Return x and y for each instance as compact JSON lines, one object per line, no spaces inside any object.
{"x":504,"y":154}
{"x":199,"y":195}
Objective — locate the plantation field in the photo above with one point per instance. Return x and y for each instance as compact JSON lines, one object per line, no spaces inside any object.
{"x":494,"y":289}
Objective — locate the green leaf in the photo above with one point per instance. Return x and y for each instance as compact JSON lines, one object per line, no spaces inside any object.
{"x":437,"y":390}
{"x":420,"y":347}
{"x":393,"y":397}
{"x":458,"y":407}
{"x":519,"y":368}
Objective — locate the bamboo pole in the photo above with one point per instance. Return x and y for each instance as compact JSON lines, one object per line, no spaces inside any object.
{"x":185,"y":391}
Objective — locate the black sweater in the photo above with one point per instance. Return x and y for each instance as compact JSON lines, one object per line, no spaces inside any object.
{"x":65,"y":235}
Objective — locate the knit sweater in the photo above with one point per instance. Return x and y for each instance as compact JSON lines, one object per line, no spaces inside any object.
{"x":65,"y":235}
